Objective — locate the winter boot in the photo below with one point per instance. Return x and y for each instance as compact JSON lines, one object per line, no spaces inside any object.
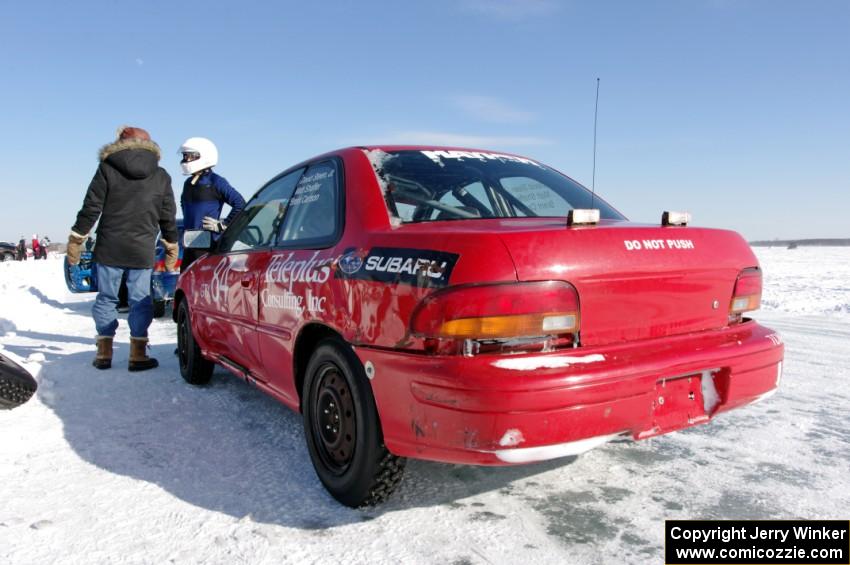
{"x":139,"y":361}
{"x":103,"y":359}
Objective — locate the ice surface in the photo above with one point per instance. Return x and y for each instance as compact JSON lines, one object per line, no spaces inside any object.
{"x":119,"y":467}
{"x":806,"y":280}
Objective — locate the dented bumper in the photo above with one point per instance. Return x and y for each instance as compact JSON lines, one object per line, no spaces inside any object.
{"x":498,"y":410}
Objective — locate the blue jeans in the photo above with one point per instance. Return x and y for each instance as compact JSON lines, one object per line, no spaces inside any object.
{"x":105,"y":311}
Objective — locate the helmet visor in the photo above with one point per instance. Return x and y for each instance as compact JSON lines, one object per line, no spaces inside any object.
{"x":189,"y":156}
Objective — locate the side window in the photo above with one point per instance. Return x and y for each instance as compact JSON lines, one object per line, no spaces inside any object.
{"x":258,"y":224}
{"x":311,"y":216}
{"x":541,"y":199}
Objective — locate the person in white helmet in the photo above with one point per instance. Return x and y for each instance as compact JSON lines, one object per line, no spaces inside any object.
{"x":204,"y":193}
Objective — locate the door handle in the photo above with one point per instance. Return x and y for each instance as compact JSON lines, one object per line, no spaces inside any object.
{"x":247,"y":281}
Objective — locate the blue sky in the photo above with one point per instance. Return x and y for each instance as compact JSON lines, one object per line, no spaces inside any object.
{"x":737,"y":111}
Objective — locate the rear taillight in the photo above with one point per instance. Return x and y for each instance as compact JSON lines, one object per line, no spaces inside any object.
{"x":747,"y":294}
{"x":500,"y":317}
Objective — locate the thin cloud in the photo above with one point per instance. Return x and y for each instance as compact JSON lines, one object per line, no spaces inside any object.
{"x":489,"y":109}
{"x":140,"y":61}
{"x":419,"y":137}
{"x":510,"y":9}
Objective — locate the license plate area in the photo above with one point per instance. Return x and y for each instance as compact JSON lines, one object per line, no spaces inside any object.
{"x":679,"y":402}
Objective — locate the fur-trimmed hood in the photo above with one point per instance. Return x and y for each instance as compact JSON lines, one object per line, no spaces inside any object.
{"x":123,"y":144}
{"x":134,"y":158}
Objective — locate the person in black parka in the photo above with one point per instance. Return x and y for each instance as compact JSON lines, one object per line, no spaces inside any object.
{"x":22,"y":249}
{"x":132,"y":196}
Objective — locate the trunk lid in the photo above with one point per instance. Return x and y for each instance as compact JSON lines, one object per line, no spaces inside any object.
{"x":635,"y":281}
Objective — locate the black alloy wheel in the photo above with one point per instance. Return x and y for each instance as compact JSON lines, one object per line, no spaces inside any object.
{"x":343,"y":430}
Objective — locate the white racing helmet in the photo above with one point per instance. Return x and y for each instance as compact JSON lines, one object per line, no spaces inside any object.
{"x":198,"y":153}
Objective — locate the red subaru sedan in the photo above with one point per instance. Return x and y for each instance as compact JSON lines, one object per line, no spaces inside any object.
{"x":470,"y":307}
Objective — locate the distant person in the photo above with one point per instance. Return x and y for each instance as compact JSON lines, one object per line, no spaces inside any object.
{"x":204,"y":193}
{"x":132,"y":196}
{"x":36,"y":247}
{"x":22,"y":249}
{"x":43,"y":244}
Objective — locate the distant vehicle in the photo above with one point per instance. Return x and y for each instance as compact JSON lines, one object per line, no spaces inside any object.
{"x":469,"y":307}
{"x":83,"y":277}
{"x":16,"y":384}
{"x":8,"y":251}
{"x":164,"y":283}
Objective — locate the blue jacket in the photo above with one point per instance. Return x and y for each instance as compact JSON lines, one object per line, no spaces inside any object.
{"x":206,"y":198}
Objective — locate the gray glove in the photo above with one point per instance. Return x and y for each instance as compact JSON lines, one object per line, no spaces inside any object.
{"x":213,"y":225}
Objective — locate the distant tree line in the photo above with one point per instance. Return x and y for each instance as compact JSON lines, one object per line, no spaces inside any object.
{"x":799,"y":242}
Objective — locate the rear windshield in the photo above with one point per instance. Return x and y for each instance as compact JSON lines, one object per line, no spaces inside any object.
{"x":426,"y":186}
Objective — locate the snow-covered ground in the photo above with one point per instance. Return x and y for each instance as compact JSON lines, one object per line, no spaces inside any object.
{"x":119,"y":467}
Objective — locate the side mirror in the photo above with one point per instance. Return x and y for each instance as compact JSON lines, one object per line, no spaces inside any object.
{"x":197,"y":239}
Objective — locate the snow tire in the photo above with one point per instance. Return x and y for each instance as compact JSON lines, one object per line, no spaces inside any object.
{"x":194,"y":369}
{"x":343,"y":431}
{"x":16,"y":384}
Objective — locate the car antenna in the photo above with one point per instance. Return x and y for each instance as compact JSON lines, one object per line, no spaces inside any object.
{"x":595,"y":114}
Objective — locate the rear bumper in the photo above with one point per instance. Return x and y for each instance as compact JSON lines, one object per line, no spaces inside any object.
{"x":497,"y":410}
